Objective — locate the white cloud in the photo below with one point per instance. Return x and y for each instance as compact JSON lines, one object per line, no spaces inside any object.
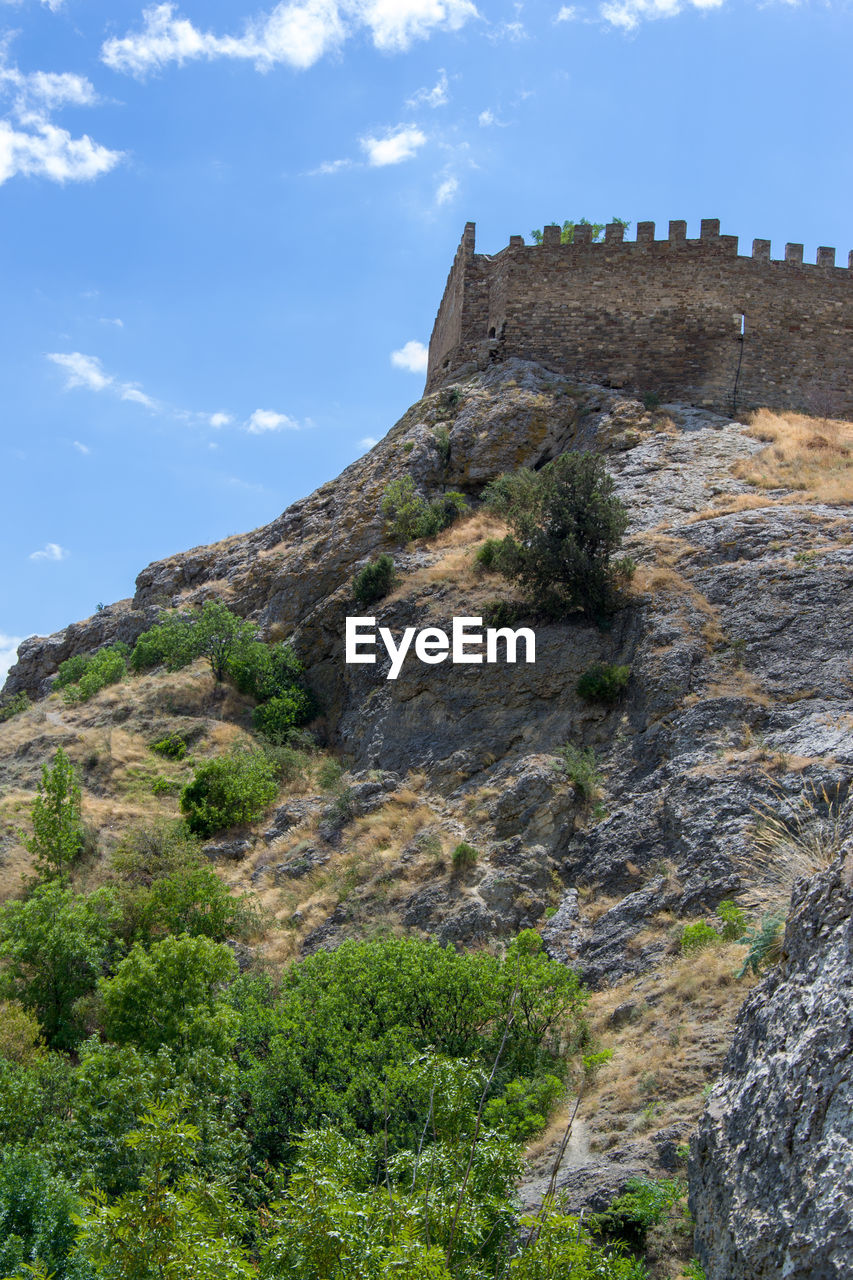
{"x":368,"y":442}
{"x":81,"y":448}
{"x":398,"y":144}
{"x":566,"y":14}
{"x":50,"y":551}
{"x":46,"y":151}
{"x":133,"y":393}
{"x":8,"y":654}
{"x":83,"y":371}
{"x":412,"y":357}
{"x":447,"y":190}
{"x":31,"y":144}
{"x":628,"y":14}
{"x":220,"y":419}
{"x":263,"y":420}
{"x":437,"y":96}
{"x":295,"y":32}
{"x":329,"y":166}
{"x":119,"y":324}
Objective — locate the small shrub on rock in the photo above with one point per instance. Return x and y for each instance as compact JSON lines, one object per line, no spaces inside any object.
{"x":408,"y":515}
{"x":464,"y":857}
{"x":698,"y":936}
{"x":13,"y":706}
{"x":228,"y":791}
{"x":733,"y":920}
{"x":173,"y":747}
{"x":374,"y":581}
{"x":602,"y":682}
{"x":84,"y":675}
{"x":582,"y":770}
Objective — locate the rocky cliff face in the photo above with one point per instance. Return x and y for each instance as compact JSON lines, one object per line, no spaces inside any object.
{"x":737,"y":633}
{"x":771,"y":1173}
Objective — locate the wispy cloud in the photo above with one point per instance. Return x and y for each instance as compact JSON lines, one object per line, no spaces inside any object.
{"x":628,"y":14}
{"x":368,"y":442}
{"x":118,"y":324}
{"x":50,"y":551}
{"x":329,"y":167}
{"x":567,"y":14}
{"x":81,"y":448}
{"x":296,"y":33}
{"x":263,"y":420}
{"x":437,"y":96}
{"x":446,"y":190}
{"x":82,"y":371}
{"x":412,"y":356}
{"x":397,"y":144}
{"x":8,"y":654}
{"x":220,"y":419}
{"x":31,"y":144}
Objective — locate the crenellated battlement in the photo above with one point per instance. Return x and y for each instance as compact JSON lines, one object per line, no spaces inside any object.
{"x":685,"y":317}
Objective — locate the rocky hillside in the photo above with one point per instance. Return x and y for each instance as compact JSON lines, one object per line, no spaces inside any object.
{"x":731,"y":746}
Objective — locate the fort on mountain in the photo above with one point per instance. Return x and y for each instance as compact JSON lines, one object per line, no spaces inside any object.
{"x":685,"y":319}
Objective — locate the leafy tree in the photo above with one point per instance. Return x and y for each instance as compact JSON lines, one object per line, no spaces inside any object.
{"x":229,"y":790}
{"x":174,"y":1226}
{"x":566,"y":526}
{"x":191,"y":900}
{"x":171,"y":995}
{"x":343,"y":1041}
{"x":265,"y":671}
{"x":56,"y":945}
{"x":211,"y":632}
{"x":37,"y":1211}
{"x":58,"y":835}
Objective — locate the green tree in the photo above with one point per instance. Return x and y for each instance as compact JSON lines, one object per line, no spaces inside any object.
{"x":211,"y":632}
{"x":566,"y":524}
{"x":37,"y":1209}
{"x":171,"y":995}
{"x":58,"y":835}
{"x":56,"y":945}
{"x":229,"y":790}
{"x":175,"y":1226}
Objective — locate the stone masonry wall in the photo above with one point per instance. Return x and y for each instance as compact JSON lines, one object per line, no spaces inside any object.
{"x":687,"y":319}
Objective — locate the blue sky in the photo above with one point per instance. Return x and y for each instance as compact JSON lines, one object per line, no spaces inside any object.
{"x":220,"y":222}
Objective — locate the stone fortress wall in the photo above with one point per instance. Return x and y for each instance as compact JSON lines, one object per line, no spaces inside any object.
{"x":686,"y":319}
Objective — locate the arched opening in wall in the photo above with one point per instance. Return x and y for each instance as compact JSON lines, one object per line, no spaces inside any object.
{"x":492,"y":332}
{"x":741,"y":341}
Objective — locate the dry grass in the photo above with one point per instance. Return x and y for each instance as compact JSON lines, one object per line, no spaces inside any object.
{"x":666,"y":580}
{"x":813,"y":455}
{"x":796,"y":838}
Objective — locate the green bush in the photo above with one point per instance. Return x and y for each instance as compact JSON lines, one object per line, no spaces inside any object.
{"x":524,"y":1106}
{"x":166,"y":786}
{"x":374,"y":580}
{"x":566,"y":526}
{"x":698,"y":936}
{"x":37,"y":1211}
{"x":86,"y":674}
{"x":502,"y":613}
{"x":602,"y":682}
{"x":56,"y":944}
{"x":488,"y":556}
{"x":265,"y":670}
{"x":329,"y":774}
{"x":192,"y":900}
{"x":173,"y":747}
{"x":212,"y":632}
{"x":581,"y":769}
{"x":277,"y":718}
{"x":171,"y":994}
{"x":441,"y":435}
{"x":347,"y":1034}
{"x":228,"y":791}
{"x":409,"y":516}
{"x":733,"y":919}
{"x":13,"y":705}
{"x":59,"y":836}
{"x":464,"y":856}
{"x":642,"y":1205}
{"x":150,"y":851}
{"x":567,"y":230}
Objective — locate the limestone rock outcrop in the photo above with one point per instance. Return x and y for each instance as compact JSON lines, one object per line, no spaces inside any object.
{"x":771,"y":1170}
